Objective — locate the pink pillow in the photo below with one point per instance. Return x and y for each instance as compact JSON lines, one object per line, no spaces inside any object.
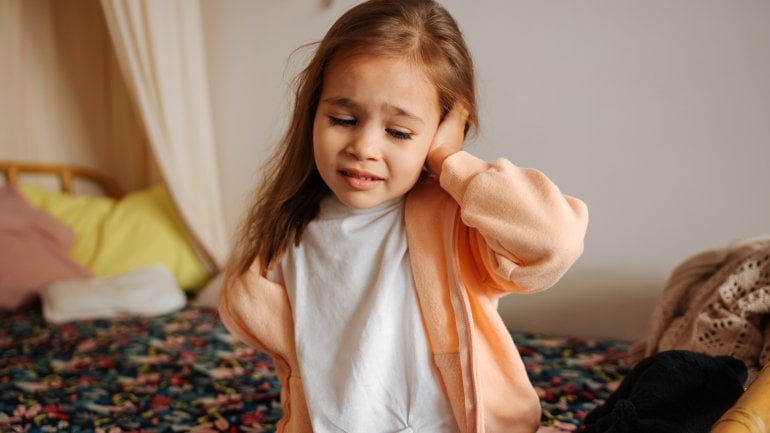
{"x":34,"y":250}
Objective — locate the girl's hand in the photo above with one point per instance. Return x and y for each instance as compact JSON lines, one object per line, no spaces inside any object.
{"x":448,"y":139}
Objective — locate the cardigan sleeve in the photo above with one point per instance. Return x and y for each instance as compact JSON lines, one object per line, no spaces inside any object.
{"x":526,"y":233}
{"x":257,"y":311}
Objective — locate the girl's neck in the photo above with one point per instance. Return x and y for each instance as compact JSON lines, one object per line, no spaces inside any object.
{"x":332,"y":207}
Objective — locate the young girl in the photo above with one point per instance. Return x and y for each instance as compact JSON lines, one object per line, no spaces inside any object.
{"x":372,"y":261}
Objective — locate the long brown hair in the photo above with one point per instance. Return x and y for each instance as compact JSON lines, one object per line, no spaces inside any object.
{"x":289,"y":195}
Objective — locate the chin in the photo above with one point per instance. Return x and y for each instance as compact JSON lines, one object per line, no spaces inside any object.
{"x":359,"y":201}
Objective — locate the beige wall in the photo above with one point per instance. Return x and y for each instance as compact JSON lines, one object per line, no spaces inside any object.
{"x":62,"y":96}
{"x":656,"y":113}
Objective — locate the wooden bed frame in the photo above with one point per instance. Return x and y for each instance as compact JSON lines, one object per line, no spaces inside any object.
{"x":66,"y":174}
{"x":751,"y":414}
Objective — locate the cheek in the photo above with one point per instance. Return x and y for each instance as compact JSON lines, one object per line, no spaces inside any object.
{"x":413,"y":160}
{"x":425,"y":145}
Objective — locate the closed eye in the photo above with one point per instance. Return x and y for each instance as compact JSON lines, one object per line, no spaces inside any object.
{"x":400,"y":135}
{"x":338,"y":121}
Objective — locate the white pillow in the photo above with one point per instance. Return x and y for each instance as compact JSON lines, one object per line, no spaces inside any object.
{"x":149,"y":290}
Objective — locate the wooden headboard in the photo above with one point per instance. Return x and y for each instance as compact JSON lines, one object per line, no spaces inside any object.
{"x":67,"y":174}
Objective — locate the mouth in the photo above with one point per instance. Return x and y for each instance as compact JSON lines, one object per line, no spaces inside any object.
{"x":360,"y":175}
{"x":360,"y":180}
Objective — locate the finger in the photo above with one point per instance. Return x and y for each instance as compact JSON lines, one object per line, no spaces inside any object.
{"x":459,"y":112}
{"x":451,"y":131}
{"x":449,"y":138}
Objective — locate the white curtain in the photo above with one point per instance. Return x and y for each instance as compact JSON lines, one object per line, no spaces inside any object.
{"x":159,"y":45}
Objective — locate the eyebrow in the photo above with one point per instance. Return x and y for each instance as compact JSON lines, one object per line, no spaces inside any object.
{"x":350,"y":104}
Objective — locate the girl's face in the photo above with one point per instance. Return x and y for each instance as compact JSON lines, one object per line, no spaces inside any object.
{"x":374,"y":125}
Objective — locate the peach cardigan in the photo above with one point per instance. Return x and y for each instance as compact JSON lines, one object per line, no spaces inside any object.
{"x":513,"y":232}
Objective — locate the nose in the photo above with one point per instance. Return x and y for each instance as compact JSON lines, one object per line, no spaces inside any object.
{"x":364,"y":144}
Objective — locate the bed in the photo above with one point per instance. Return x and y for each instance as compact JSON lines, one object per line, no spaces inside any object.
{"x":180,"y":370}
{"x":183,"y":372}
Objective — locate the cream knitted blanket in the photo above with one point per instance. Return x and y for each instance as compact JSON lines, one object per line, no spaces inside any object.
{"x":716,"y":302}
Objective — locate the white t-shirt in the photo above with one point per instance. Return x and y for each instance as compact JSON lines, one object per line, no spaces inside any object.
{"x":361,"y":344}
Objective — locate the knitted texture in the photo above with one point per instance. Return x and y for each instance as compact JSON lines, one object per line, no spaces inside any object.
{"x":716,"y":302}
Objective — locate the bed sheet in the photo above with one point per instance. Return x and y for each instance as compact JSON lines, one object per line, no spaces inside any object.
{"x":182,"y":372}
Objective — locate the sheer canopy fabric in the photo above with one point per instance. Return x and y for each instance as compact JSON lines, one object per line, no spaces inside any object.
{"x":119,"y":86}
{"x":160,"y":49}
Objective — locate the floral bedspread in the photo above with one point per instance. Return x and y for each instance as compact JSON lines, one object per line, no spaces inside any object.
{"x":183,"y":372}
{"x":571,"y":375}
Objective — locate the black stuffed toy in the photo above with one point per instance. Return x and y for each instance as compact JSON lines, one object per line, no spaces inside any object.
{"x":675,"y":391}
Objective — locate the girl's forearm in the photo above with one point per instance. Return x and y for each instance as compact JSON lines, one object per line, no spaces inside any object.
{"x":532,"y":232}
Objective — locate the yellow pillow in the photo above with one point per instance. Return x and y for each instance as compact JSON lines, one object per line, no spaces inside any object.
{"x":84,"y":214}
{"x":116,"y":236}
